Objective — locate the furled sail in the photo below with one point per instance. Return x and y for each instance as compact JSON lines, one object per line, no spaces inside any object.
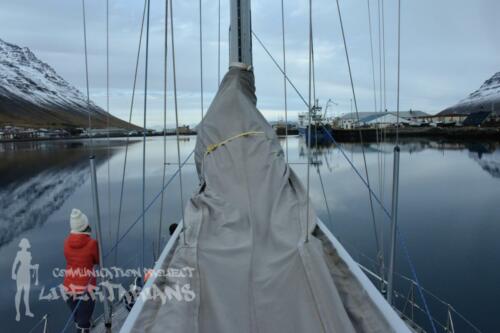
{"x":244,"y":240}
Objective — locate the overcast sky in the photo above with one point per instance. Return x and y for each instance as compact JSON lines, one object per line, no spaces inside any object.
{"x":449,"y":48}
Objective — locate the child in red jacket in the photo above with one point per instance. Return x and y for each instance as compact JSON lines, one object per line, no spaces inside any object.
{"x":82,"y":254}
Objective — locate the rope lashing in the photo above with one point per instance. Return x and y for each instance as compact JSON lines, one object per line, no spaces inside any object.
{"x":211,"y":148}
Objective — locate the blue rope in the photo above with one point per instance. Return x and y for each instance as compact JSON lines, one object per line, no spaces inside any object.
{"x":149,"y":205}
{"x":38,"y":324}
{"x":414,"y":273}
{"x":358,"y":173}
{"x":400,"y":238}
{"x":71,"y":316}
{"x":419,"y":288}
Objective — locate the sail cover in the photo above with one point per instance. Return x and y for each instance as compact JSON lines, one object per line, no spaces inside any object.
{"x":250,"y":266}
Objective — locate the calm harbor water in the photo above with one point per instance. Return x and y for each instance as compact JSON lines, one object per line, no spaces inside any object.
{"x":449,"y":212}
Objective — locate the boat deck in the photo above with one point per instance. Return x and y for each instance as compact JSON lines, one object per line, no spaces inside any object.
{"x":120,"y":313}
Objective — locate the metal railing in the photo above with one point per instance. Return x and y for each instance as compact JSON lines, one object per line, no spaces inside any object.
{"x":408,"y":306}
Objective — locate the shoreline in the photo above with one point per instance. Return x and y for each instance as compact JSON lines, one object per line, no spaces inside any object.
{"x":437,"y":133}
{"x":88,"y":138}
{"x":343,"y":135}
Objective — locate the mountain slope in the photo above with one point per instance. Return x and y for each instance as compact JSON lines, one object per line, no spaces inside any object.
{"x":33,"y":94}
{"x":485,"y":98}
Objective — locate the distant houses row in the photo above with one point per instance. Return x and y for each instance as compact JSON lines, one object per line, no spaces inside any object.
{"x":8,"y":133}
{"x":414,"y":119}
{"x":21,"y":133}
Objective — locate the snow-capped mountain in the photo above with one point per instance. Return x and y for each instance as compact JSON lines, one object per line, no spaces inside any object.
{"x":32,"y":93}
{"x":486,"y":98}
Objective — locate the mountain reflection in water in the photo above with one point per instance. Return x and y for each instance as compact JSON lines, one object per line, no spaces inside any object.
{"x":36,"y":178}
{"x":487,"y":155}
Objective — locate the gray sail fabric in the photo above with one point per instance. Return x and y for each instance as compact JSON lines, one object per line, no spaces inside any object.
{"x":245,"y":237}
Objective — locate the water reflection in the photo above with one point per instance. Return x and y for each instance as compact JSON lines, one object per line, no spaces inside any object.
{"x":448,"y":197}
{"x":36,"y":178}
{"x":487,"y":155}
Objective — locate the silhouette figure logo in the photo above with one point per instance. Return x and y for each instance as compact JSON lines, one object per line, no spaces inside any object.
{"x":22,"y":273}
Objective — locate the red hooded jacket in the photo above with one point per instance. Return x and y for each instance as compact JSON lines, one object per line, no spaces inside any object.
{"x":82,"y":254}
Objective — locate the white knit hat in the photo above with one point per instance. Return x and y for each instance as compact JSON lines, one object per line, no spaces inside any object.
{"x":78,"y":221}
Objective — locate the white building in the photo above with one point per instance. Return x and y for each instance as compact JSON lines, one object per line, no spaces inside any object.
{"x":382,"y":120}
{"x":378,"y":119}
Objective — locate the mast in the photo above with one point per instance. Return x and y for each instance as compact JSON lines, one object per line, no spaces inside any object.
{"x":240,"y":34}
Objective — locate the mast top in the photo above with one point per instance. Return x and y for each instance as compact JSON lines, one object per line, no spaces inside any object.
{"x":240,"y":34}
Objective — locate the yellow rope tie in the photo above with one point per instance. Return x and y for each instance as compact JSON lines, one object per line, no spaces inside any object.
{"x":214,"y":146}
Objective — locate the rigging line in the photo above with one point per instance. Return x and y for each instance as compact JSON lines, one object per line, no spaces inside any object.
{"x":144,"y":139}
{"x":383,"y":173}
{"x":218,"y":48}
{"x":380,"y":55}
{"x":331,"y":137}
{"x":324,"y":196}
{"x":309,"y":123}
{"x":71,"y":316}
{"x":284,"y":75}
{"x":380,"y":154}
{"x":138,"y":219}
{"x":399,"y":236}
{"x":384,"y":209}
{"x":383,"y":54}
{"x":307,"y":106}
{"x":87,"y":78}
{"x":201,"y":60}
{"x":305,"y":103}
{"x":165,"y":69}
{"x":107,"y":119}
{"x":280,"y":69}
{"x":375,"y":229}
{"x":417,"y":282}
{"x":177,"y":119}
{"x":44,"y":319}
{"x":377,"y":132}
{"x":372,"y":56}
{"x":367,"y":185}
{"x":379,"y":163}
{"x":402,"y":242}
{"x":399,"y":71}
{"x":316,"y":131}
{"x":122,"y":187}
{"x":379,"y":15}
{"x":313,"y":69}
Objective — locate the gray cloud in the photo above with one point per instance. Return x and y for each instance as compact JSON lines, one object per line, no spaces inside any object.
{"x":449,"y":48}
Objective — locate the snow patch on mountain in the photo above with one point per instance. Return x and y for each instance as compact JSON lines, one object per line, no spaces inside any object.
{"x":486,"y":98}
{"x":24,"y":76}
{"x":489,"y":90}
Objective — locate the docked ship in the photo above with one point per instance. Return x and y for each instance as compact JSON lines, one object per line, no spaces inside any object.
{"x":320,"y":129}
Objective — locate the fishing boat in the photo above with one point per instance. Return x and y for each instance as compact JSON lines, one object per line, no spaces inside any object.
{"x":314,"y":126}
